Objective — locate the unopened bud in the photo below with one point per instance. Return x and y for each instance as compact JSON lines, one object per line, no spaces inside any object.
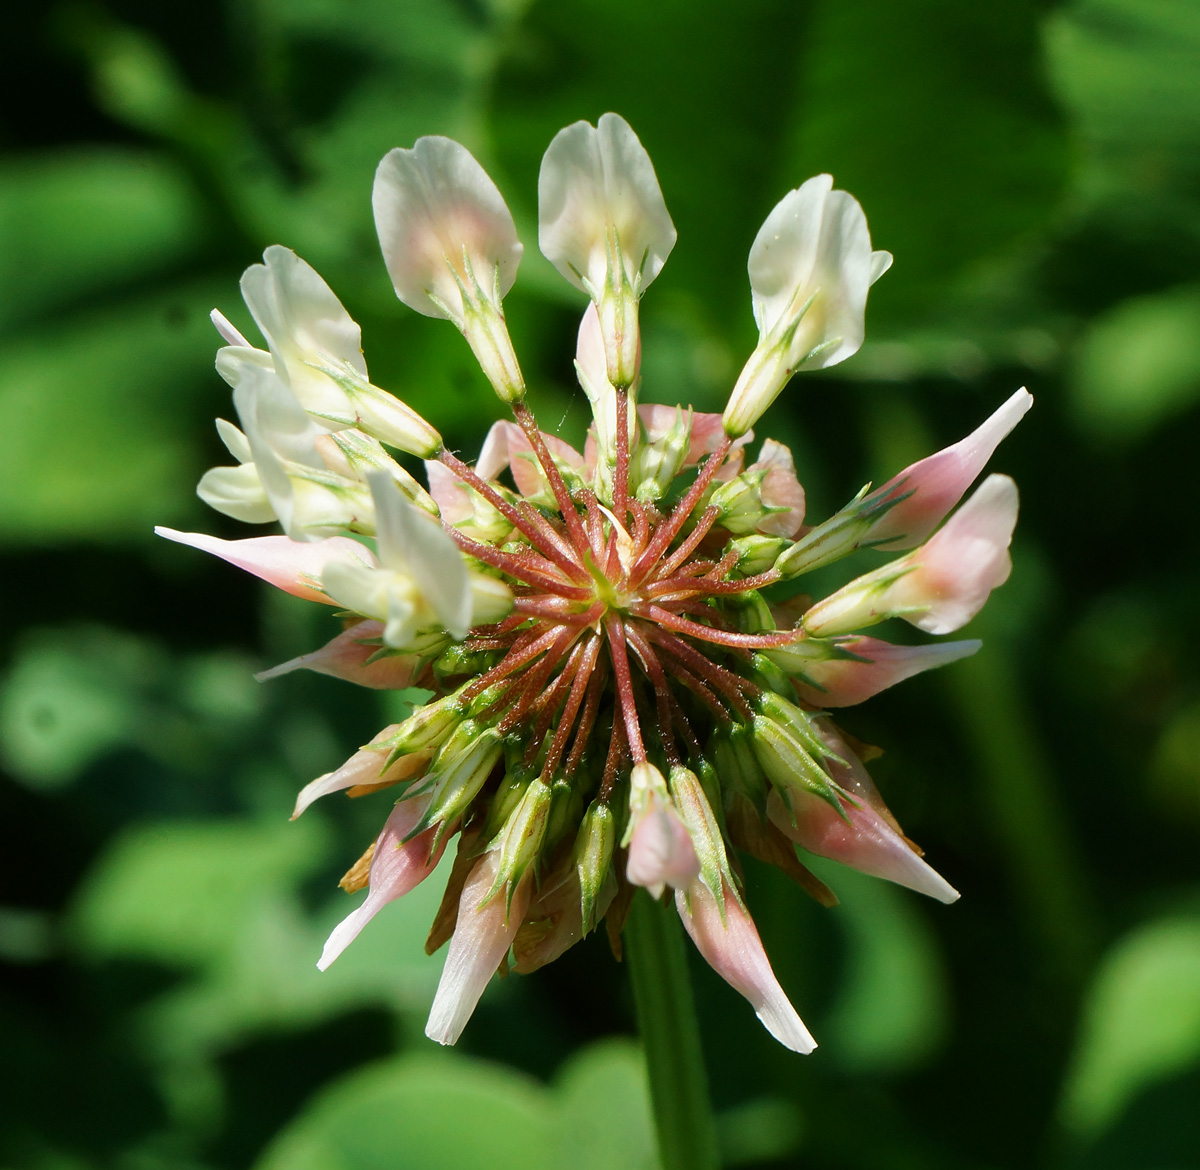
{"x":458,"y":773}
{"x":521,"y":838}
{"x":593,"y":855}
{"x":757,"y":553}
{"x":740,"y":504}
{"x":426,"y":727}
{"x":786,"y":764}
{"x":696,"y":810}
{"x":657,"y":464}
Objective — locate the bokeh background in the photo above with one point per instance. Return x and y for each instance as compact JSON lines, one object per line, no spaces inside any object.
{"x":1036,"y":170}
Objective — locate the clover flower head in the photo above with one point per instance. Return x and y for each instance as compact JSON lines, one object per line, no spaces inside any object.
{"x":628,"y":687}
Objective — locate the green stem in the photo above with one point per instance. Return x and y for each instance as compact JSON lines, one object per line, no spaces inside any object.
{"x":687,"y":1138}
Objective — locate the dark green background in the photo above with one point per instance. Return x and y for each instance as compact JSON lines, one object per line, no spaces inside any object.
{"x":1035,"y":170}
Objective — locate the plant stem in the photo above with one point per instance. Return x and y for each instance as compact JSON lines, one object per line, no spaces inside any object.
{"x":687,"y":1138}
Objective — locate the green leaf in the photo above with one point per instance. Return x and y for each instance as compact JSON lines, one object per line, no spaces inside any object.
{"x":1126,"y":69}
{"x":891,"y":1012}
{"x":1139,"y":365}
{"x":74,"y":223}
{"x":98,"y":440}
{"x":934,"y":114}
{"x":449,"y":1112}
{"x":1140,"y":1025}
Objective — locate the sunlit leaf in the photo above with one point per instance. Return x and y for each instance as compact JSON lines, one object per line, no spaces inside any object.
{"x":76,"y":222}
{"x":1141,"y":1022}
{"x":891,"y":1011}
{"x":1139,"y":365}
{"x":447,"y":1112}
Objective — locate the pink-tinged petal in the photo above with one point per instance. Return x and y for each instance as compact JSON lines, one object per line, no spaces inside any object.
{"x":780,"y":489}
{"x":554,"y":922}
{"x":733,"y":949}
{"x":842,"y":682}
{"x":507,"y":446}
{"x":348,"y":656}
{"x":291,"y":565}
{"x":707,"y":431}
{"x":397,"y":867}
{"x":451,"y":495}
{"x":863,"y":841}
{"x":365,"y":767}
{"x":493,"y":455}
{"x":957,"y":568}
{"x":935,"y":484}
{"x":661,"y":852}
{"x":228,"y":331}
{"x":486,"y":927}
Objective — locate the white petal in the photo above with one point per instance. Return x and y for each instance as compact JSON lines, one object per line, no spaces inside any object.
{"x":482,"y":936}
{"x":235,"y":442}
{"x":237,"y":492}
{"x":304,"y":324}
{"x":227,"y":330}
{"x":277,"y":429}
{"x":594,"y":178}
{"x":432,"y":203}
{"x":412,"y":542}
{"x":294,"y":566}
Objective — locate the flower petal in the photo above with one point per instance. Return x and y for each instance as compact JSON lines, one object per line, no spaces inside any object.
{"x":597,"y":179}
{"x":412,"y":542}
{"x":435,"y":205}
{"x":780,"y":489}
{"x":305,"y":326}
{"x":396,"y":868}
{"x":863,"y":841}
{"x":733,"y":949}
{"x":294,"y":566}
{"x":957,"y":568}
{"x":486,"y":927}
{"x":935,"y":484}
{"x":842,"y":682}
{"x":367,"y":767}
{"x":661,"y":852}
{"x":348,"y":657}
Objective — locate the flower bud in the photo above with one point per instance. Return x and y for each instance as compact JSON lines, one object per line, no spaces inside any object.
{"x":739,"y":503}
{"x":462,"y":507}
{"x":427,"y":727}
{"x":756,"y":553}
{"x":656,"y":464}
{"x":661,"y":851}
{"x":705,"y":834}
{"x":593,"y":857}
{"x":787,"y":764}
{"x":458,"y":772}
{"x":520,"y":841}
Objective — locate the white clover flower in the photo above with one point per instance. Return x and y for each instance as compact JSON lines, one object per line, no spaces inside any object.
{"x":316,"y":351}
{"x":603,"y":224}
{"x":451,"y":247}
{"x":811,"y":266}
{"x":606,"y":666}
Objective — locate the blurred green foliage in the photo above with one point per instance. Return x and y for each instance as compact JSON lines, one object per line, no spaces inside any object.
{"x":1033,"y":167}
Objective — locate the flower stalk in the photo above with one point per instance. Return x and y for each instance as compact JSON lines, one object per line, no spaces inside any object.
{"x":666,"y":1012}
